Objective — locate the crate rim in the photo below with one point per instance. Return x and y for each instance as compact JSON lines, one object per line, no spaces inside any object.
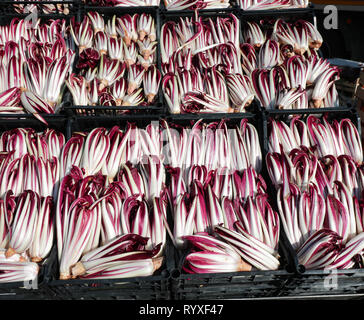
{"x":238,"y":274}
{"x":272,"y":12}
{"x":276,"y":112}
{"x":78,"y":281}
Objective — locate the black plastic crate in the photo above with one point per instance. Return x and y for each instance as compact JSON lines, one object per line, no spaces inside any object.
{"x":14,"y":120}
{"x":267,"y":18}
{"x":87,"y":123}
{"x":242,"y":285}
{"x":8,"y":9}
{"x":234,"y":285}
{"x":5,"y":19}
{"x":253,"y":284}
{"x":32,"y":290}
{"x":345,"y":106}
{"x":316,"y":282}
{"x":109,"y":6}
{"x":57,"y":122}
{"x":108,"y":12}
{"x":154,"y":287}
{"x":175,"y":15}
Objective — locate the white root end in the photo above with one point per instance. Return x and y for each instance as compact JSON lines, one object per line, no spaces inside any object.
{"x":131,"y":87}
{"x":34,"y":259}
{"x":142,"y":35}
{"x":103,"y":84}
{"x":146,"y":54}
{"x":150,"y":97}
{"x":78,"y":269}
{"x":64,"y":276}
{"x":127,"y":41}
{"x":10,"y":252}
{"x":243,"y":266}
{"x":157,"y":263}
{"x":129,"y":62}
{"x":317,"y":103}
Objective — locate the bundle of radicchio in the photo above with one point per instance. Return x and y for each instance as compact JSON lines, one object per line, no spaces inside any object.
{"x":117,"y":65}
{"x":201,"y":66}
{"x":285,"y":70}
{"x":35,"y":62}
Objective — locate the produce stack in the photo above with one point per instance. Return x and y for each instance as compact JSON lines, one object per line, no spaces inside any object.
{"x":202,"y":134}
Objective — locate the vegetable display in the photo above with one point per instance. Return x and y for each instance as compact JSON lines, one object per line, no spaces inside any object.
{"x":115,"y":187}
{"x":207,"y":69}
{"x":111,"y":200}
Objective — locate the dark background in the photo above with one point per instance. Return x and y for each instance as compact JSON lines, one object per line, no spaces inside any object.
{"x":347,"y":41}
